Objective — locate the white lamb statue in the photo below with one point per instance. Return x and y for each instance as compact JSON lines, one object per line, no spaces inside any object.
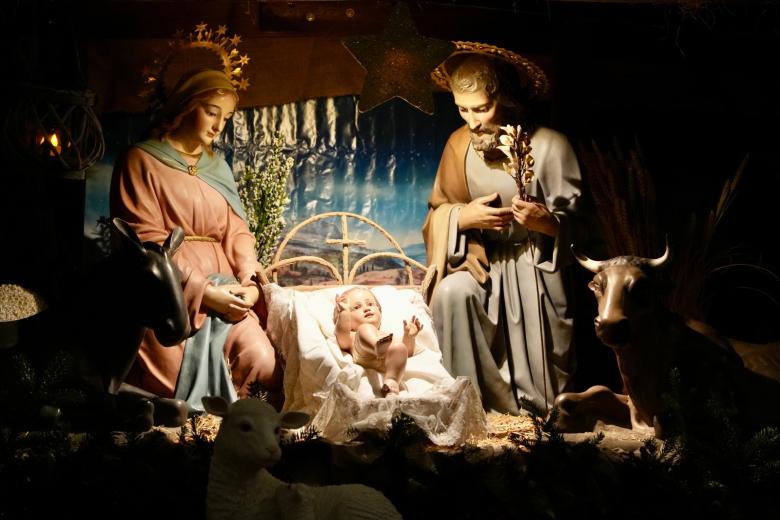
{"x":240,"y":487}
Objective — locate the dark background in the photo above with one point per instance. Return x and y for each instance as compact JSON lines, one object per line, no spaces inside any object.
{"x":694,"y":82}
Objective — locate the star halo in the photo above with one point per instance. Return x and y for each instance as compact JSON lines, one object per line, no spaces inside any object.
{"x":224,"y":48}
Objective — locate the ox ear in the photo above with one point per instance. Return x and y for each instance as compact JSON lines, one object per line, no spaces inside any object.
{"x":174,"y":240}
{"x":127,"y":236}
{"x":292,"y":420}
{"x":594,"y":266}
{"x":215,"y":405}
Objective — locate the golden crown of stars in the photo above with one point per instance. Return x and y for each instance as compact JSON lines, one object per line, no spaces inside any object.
{"x":203,"y":37}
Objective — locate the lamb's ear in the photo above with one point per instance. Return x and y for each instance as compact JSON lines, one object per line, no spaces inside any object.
{"x":292,"y":420}
{"x":215,"y":405}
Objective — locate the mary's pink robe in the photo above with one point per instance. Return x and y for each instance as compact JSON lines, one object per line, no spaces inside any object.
{"x":154,"y":198}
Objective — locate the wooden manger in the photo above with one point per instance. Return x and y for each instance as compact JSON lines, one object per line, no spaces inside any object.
{"x":414,"y":274}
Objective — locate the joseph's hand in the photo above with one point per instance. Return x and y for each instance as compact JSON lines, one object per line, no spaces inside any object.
{"x":534,"y":216}
{"x":478,"y":214}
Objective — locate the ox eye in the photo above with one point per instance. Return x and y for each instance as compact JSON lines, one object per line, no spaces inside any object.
{"x":245,"y":426}
{"x":276,"y":431}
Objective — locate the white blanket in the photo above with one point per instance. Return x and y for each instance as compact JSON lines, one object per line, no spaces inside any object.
{"x":300,"y":325}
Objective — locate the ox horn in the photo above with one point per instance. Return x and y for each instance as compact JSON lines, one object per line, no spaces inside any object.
{"x":661,"y":260}
{"x":593,"y":266}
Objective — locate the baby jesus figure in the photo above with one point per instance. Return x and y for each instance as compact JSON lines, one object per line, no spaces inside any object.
{"x":358,"y":317}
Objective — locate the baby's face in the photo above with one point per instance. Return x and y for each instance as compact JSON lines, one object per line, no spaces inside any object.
{"x":362,"y":307}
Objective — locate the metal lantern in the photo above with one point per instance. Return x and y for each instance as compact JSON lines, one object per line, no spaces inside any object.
{"x":58,"y":129}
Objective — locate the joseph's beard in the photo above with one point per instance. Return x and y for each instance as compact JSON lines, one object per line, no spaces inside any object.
{"x":485,"y":139}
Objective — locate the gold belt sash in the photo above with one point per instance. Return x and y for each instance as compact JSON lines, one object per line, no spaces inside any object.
{"x":199,"y":238}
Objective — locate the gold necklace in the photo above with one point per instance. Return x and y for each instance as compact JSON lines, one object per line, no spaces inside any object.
{"x":198,"y":154}
{"x":192,"y":169}
{"x":188,"y":153}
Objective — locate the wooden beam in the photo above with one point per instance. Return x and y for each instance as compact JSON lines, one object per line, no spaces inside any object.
{"x":281,"y":70}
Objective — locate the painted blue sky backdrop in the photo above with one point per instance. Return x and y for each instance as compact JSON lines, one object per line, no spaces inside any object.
{"x":380,"y":164}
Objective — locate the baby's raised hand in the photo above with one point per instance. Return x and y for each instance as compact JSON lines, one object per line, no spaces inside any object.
{"x":412,"y":327}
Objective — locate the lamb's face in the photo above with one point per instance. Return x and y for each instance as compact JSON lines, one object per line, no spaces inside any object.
{"x":249,"y":435}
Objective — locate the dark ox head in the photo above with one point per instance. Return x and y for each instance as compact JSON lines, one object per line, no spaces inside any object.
{"x":623,"y":287}
{"x":156,"y":283}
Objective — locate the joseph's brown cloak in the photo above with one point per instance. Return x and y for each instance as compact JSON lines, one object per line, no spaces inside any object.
{"x":450,"y":190}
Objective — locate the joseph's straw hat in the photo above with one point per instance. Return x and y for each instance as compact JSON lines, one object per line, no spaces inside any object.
{"x":537,"y":84}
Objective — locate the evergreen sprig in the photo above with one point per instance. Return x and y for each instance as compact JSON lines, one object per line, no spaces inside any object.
{"x":263,"y":193}
{"x":257,"y":390}
{"x":307,"y":434}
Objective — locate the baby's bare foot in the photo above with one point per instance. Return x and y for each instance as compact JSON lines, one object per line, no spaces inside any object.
{"x":390,"y":387}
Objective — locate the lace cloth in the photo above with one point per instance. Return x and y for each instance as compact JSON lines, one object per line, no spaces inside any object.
{"x":322,"y":380}
{"x":449,"y":412}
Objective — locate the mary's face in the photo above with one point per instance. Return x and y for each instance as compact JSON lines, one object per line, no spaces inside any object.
{"x":209,"y":117}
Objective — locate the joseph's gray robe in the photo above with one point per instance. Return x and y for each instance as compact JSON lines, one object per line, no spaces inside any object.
{"x":488,"y":322}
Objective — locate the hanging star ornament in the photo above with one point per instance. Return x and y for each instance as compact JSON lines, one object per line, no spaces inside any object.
{"x":399,"y":62}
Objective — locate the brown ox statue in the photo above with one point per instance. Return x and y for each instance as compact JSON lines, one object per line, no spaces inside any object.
{"x":671,"y":373}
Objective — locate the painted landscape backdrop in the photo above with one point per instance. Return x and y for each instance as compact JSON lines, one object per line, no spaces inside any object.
{"x":380,"y":165}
